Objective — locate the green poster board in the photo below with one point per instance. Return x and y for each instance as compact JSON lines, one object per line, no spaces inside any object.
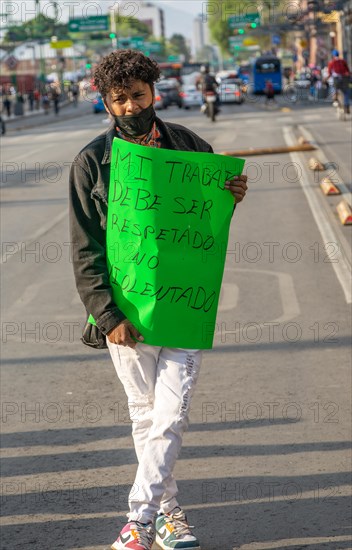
{"x":167,"y":232}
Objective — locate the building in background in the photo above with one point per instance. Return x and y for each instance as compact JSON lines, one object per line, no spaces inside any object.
{"x":147,"y":13}
{"x":23,"y":65}
{"x":346,"y":24}
{"x":201,"y":37}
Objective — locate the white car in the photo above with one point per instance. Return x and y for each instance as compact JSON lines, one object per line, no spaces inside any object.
{"x":230,"y":91}
{"x":191,"y":96}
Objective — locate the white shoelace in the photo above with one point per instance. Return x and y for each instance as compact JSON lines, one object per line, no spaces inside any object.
{"x":180,"y":524}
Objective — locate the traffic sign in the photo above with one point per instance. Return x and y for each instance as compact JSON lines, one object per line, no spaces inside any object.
{"x":137,"y":42}
{"x":153,"y":47}
{"x":175,"y":58}
{"x":134,"y":42}
{"x":90,"y":23}
{"x":235,"y":41}
{"x":237,"y":21}
{"x":250,"y":41}
{"x":11,"y":62}
{"x":61,"y":44}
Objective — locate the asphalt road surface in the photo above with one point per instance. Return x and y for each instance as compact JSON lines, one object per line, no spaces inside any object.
{"x":266,"y":461}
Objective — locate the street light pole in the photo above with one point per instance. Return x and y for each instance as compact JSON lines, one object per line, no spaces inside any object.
{"x":113,"y":28}
{"x":42,"y":76}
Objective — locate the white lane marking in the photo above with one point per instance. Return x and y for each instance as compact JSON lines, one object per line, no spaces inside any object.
{"x":20,"y":156}
{"x":43,"y":518}
{"x":30,"y":292}
{"x":289,"y":300}
{"x":312,"y":117}
{"x":229,"y":297}
{"x":289,"y":543}
{"x":254,"y":121}
{"x":290,"y":305}
{"x":19,"y":246}
{"x":27,"y":296}
{"x":341,"y":267}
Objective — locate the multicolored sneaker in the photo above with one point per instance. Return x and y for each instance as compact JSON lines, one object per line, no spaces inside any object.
{"x":135,"y":536}
{"x":173,"y":531}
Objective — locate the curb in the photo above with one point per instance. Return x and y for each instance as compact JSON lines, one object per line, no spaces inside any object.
{"x":41,"y":112}
{"x":43,"y":122}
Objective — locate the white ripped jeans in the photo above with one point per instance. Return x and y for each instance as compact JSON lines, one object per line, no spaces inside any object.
{"x":159,"y":383}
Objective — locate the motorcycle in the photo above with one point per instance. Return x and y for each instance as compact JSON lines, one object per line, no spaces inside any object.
{"x":211,"y":108}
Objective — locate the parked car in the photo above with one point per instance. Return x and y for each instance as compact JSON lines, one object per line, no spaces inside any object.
{"x":98,"y":105}
{"x":160,"y":99}
{"x":191,"y":97}
{"x":171,"y":88}
{"x":231,"y":91}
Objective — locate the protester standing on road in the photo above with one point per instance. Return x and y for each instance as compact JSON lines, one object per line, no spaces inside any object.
{"x":153,"y":377}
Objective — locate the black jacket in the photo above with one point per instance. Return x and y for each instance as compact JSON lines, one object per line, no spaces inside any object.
{"x":89,"y":183}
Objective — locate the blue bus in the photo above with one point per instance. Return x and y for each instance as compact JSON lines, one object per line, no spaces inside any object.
{"x":267,"y":68}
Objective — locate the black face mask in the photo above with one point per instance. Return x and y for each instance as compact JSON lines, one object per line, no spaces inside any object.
{"x":136,"y":125}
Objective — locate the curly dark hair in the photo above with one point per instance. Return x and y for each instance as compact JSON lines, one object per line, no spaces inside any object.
{"x":121,"y":67}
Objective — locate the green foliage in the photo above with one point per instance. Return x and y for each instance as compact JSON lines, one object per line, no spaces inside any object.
{"x":129,"y":26}
{"x":40,"y":27}
{"x":219,"y":12}
{"x":177,"y":46}
{"x":217,"y":22}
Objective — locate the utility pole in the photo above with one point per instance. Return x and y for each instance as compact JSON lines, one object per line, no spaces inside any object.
{"x":41,"y":58}
{"x":113,"y":28}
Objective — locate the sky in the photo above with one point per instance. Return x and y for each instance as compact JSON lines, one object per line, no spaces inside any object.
{"x":179,"y":14}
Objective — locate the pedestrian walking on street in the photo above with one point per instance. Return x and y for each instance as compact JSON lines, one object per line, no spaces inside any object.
{"x":269,"y":92}
{"x":55,"y":96}
{"x":155,"y":378}
{"x":7,"y":106}
{"x":75,"y":92}
{"x":30,"y":98}
{"x":46,"y":103}
{"x":37,"y":99}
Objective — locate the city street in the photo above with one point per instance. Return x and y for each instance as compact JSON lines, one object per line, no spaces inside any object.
{"x":265,"y":463}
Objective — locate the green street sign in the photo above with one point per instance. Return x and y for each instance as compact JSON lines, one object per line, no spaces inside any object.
{"x":137,"y":42}
{"x":91,"y":23}
{"x":134,"y":42}
{"x":237,"y":21}
{"x":236,"y":40}
{"x":124,"y":43}
{"x":153,"y":47}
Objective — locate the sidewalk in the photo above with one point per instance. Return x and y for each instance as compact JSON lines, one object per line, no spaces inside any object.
{"x":32,"y":119}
